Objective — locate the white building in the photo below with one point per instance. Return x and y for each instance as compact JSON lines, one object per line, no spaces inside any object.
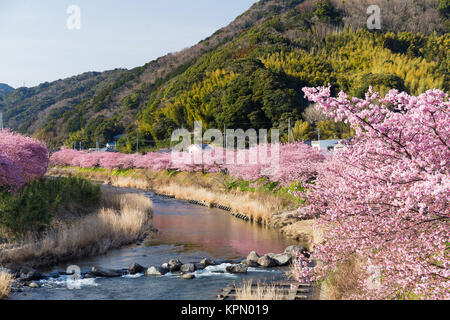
{"x":198,"y":148}
{"x":111,"y":145}
{"x":327,"y":145}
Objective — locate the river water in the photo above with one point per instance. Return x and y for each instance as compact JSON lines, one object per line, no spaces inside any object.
{"x":185,"y":231}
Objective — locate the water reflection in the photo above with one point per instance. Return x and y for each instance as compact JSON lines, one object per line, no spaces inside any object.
{"x":212,"y":230}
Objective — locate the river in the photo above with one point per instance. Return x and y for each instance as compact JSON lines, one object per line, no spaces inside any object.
{"x":185,"y":231}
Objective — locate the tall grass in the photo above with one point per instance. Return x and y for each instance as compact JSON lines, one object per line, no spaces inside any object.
{"x":259,"y":292}
{"x":6,"y":281}
{"x":121,"y":220}
{"x":343,"y":282}
{"x":209,"y":188}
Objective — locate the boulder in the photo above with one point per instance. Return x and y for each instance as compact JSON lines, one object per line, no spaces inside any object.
{"x":283,"y":259}
{"x":188,"y":276}
{"x":155,"y":271}
{"x":250,"y":263}
{"x":187,"y":268}
{"x":253,"y":257}
{"x":237,"y":268}
{"x":267,"y":262}
{"x":88,"y":275}
{"x":294,"y":250}
{"x":105,"y":273}
{"x":165,"y":266}
{"x":136,"y":268}
{"x":29,"y":274}
{"x":208,"y":262}
{"x":34,"y":285}
{"x":174,"y":265}
{"x":199,"y":266}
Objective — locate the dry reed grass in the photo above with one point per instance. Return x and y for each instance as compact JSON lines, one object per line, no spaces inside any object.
{"x":209,"y":188}
{"x":255,"y":206}
{"x":343,"y":282}
{"x":261,"y":292}
{"x":304,"y":231}
{"x":129,"y":182}
{"x":121,"y":220}
{"x":6,"y":281}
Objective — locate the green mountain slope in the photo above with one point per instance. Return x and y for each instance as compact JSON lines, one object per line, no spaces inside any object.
{"x":5,"y":89}
{"x":248,"y":74}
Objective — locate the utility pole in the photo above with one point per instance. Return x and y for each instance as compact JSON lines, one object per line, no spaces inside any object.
{"x":97,"y":145}
{"x":137,"y":142}
{"x":225,"y":136}
{"x":80,"y":145}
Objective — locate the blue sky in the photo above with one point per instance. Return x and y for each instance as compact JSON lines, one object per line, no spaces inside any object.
{"x":36,"y":45}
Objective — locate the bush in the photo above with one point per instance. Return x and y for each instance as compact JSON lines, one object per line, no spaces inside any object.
{"x":379,"y":82}
{"x":32,"y":208}
{"x":444,"y":8}
{"x":328,"y":13}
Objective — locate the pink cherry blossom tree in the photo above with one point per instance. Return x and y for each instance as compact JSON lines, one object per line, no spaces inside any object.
{"x":385,"y":197}
{"x":296,"y":161}
{"x":22,"y":159}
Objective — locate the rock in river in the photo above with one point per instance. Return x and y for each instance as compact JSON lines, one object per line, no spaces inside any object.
{"x":187,"y":268}
{"x":294,"y":250}
{"x":105,"y":273}
{"x":175,"y":265}
{"x":237,"y":268}
{"x":208,"y":262}
{"x":136,"y":268}
{"x":29,"y":274}
{"x":250,"y":263}
{"x":199,"y":266}
{"x":283,"y":259}
{"x":34,"y":285}
{"x":155,"y":271}
{"x":253,"y":257}
{"x":188,"y":276}
{"x":267,"y":262}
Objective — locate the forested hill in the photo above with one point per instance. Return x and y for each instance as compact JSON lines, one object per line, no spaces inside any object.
{"x":4,"y":89}
{"x":248,"y":74}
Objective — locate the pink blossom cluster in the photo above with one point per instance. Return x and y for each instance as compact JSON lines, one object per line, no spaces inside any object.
{"x":385,"y":197}
{"x":283,"y":163}
{"x":22,"y":159}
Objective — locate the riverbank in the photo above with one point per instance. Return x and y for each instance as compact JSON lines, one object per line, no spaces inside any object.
{"x":257,"y":204}
{"x":119,"y":220}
